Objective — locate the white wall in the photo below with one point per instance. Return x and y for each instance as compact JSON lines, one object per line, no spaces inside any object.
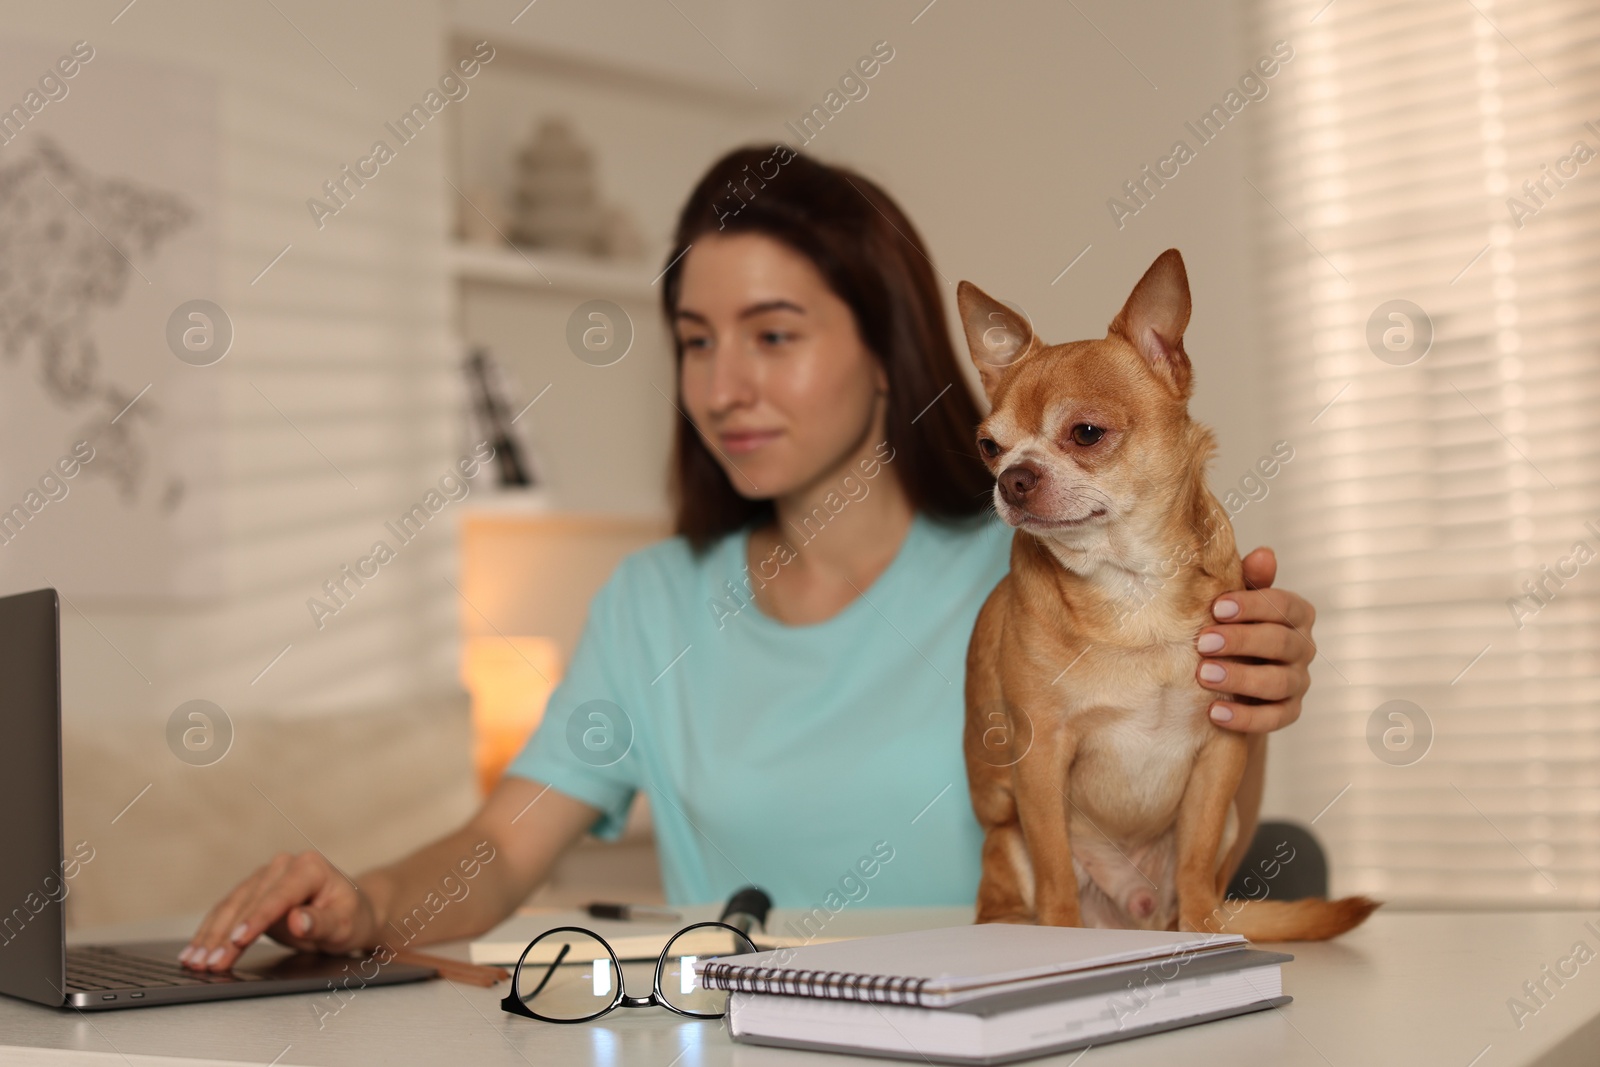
{"x":349,"y":335}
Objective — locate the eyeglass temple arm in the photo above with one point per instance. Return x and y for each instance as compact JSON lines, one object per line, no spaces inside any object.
{"x":549,"y":972}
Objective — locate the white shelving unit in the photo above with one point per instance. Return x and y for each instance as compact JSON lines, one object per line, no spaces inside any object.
{"x":600,"y":438}
{"x":550,"y":272}
{"x":511,"y":502}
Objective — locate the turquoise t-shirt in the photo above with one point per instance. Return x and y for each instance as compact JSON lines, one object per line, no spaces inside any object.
{"x":820,"y":762}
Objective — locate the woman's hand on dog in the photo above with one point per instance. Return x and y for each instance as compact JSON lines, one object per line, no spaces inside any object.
{"x":1259,"y":650}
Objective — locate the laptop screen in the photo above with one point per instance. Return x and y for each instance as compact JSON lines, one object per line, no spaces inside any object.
{"x":32,"y":923}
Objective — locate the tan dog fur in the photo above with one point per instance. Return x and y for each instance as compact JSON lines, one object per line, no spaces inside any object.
{"x":1104,"y":791}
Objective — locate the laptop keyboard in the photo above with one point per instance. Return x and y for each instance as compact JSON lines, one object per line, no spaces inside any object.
{"x":92,"y":968}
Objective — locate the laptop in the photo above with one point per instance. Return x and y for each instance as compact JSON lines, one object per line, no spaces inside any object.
{"x":36,"y":962}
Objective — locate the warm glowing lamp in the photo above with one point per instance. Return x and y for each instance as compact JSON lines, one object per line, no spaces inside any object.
{"x":510,"y":679}
{"x":529,"y":570}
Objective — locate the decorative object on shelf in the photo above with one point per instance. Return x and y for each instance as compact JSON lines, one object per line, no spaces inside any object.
{"x":622,"y":239}
{"x":556,"y":201}
{"x":490,"y":411}
{"x":481,"y":218}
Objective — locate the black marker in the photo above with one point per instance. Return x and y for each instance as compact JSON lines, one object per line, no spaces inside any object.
{"x":632,"y":913}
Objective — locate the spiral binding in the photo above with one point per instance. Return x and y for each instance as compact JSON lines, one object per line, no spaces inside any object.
{"x":831,"y":985}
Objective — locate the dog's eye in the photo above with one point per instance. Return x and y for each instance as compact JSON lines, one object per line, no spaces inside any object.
{"x":988,"y":447}
{"x":1085,"y":434}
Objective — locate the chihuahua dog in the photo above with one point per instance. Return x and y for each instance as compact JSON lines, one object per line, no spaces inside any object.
{"x":1104,"y":792}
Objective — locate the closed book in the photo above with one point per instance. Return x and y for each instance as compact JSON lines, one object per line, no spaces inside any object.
{"x":644,"y":940}
{"x":939,"y":967}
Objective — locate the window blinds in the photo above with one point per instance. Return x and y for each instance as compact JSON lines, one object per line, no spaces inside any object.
{"x":1427,"y":187}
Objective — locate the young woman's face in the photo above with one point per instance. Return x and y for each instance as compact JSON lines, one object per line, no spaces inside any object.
{"x":775,"y":375}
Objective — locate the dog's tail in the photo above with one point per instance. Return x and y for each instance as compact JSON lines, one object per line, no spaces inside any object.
{"x":1311,"y":919}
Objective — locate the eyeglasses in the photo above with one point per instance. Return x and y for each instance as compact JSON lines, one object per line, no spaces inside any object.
{"x":574,"y":975}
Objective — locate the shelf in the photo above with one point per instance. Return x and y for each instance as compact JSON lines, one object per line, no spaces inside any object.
{"x":553,"y":272}
{"x":498,"y":501}
{"x":536,"y":505}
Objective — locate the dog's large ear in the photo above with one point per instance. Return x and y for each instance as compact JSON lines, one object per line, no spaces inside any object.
{"x":996,"y":336}
{"x":1154,"y":318}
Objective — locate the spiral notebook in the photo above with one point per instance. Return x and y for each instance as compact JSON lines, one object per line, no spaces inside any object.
{"x":991,"y":994}
{"x":944,"y":967}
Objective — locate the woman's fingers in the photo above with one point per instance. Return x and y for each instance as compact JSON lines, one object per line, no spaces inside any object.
{"x":1265,"y":640}
{"x":298,"y":885}
{"x":301,"y":927}
{"x":304,"y":882}
{"x":262,"y":903}
{"x":324,"y":925}
{"x":328,"y":921}
{"x":213,"y":929}
{"x":1258,"y":652}
{"x":1254,"y":718}
{"x":1265,"y":605}
{"x":1265,"y":682}
{"x":1260,"y":568}
{"x":218,"y":914}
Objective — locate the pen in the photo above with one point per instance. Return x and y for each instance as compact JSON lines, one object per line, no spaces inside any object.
{"x":632,"y":912}
{"x":455,"y":970}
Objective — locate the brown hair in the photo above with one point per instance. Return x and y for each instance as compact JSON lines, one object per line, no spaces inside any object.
{"x":872,"y":258}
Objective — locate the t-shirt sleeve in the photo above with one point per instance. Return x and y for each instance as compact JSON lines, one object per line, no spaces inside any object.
{"x":583,"y":743}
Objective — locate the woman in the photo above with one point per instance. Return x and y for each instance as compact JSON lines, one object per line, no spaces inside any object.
{"x":784,"y":677}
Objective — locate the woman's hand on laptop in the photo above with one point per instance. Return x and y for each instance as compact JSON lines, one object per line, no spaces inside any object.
{"x":482,"y":870}
{"x":299,"y":899}
{"x":1259,"y":650}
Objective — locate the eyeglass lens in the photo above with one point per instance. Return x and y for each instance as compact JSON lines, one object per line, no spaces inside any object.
{"x":569,"y":976}
{"x":679,"y":984}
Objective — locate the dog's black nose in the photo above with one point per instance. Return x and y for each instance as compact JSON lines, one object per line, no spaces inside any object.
{"x":1017,"y":482}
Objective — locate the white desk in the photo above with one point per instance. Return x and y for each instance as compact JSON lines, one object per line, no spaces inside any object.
{"x":1406,"y":989}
